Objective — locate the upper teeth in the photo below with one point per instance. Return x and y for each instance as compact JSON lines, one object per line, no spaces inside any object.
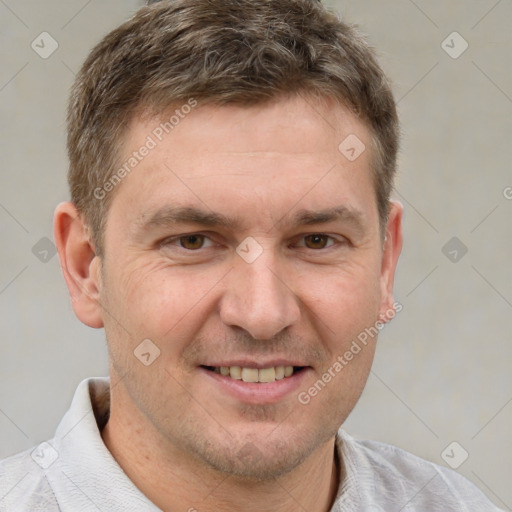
{"x":254,"y":374}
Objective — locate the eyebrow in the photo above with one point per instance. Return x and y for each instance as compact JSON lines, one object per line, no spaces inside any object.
{"x":185,"y":215}
{"x":190,"y":215}
{"x":337,"y":214}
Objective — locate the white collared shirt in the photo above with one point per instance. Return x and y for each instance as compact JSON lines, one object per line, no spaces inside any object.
{"x":75,"y":472}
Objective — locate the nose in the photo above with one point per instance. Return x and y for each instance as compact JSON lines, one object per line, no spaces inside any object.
{"x":259,"y":299}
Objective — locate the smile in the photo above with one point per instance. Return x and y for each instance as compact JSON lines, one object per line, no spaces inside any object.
{"x":263,"y":375}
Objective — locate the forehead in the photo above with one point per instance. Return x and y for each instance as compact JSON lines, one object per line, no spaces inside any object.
{"x":292,"y":124}
{"x":271,"y":158}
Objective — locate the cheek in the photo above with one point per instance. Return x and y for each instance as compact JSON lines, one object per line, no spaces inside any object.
{"x":162,"y":301}
{"x":343,"y":312}
{"x":345,"y":301}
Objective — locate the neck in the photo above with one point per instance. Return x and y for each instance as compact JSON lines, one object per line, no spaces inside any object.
{"x":175,"y":480}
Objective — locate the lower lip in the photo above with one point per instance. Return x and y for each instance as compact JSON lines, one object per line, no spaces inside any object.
{"x":258,"y":393}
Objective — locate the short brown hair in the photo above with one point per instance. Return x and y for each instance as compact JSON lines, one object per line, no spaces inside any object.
{"x":220,"y":51}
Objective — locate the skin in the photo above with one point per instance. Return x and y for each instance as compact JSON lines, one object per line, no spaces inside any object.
{"x":178,"y":434}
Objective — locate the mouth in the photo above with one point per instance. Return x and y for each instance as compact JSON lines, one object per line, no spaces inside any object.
{"x":256,"y":375}
{"x":251,"y":383}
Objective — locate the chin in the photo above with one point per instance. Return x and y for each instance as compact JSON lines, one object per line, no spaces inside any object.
{"x":258,"y":458}
{"x":250,"y":463}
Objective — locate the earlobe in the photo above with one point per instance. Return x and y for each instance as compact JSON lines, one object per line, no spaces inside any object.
{"x":392,"y":248}
{"x":79,"y":263}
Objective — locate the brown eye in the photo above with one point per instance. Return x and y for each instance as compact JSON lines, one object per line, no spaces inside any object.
{"x":192,"y":242}
{"x":316,"y":241}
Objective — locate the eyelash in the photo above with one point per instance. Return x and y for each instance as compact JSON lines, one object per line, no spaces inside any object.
{"x":175,"y":241}
{"x":332,"y":241}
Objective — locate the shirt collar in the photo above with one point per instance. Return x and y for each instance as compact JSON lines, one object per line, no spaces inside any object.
{"x":85,"y":471}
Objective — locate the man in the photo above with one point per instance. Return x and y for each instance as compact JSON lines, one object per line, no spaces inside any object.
{"x":231,"y":229}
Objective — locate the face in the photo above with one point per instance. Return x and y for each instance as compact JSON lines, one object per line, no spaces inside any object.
{"x":245,"y":244}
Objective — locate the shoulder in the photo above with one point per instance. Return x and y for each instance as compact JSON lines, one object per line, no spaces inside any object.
{"x":23,"y":484}
{"x":397,"y":477}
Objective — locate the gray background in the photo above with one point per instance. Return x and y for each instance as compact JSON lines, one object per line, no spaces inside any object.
{"x":443,"y":367}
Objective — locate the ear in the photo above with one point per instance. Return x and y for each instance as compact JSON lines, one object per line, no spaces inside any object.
{"x":392,"y":248}
{"x":79,"y":264}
